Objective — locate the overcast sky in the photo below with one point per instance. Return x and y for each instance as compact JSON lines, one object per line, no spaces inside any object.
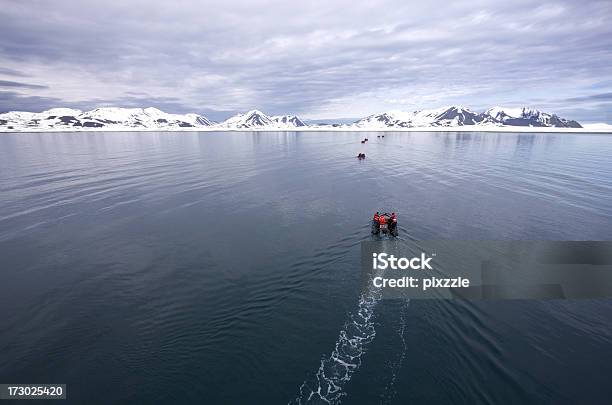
{"x":317,"y":59}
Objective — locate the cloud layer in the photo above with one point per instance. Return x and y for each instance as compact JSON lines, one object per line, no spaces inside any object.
{"x":319,"y":59}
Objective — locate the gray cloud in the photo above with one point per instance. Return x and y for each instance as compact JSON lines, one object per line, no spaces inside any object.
{"x":9,"y":83}
{"x":21,"y":102}
{"x":316,"y":58}
{"x":10,"y":72}
{"x":600,"y":112}
{"x":593,"y":97}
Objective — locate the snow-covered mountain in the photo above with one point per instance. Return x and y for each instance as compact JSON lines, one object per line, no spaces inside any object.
{"x":115,"y":118}
{"x":527,"y":117}
{"x":291,"y":121}
{"x":258,"y":120}
{"x":454,"y":116}
{"x":129,"y":119}
{"x":440,"y":117}
{"x":108,"y":118}
{"x":251,"y":119}
{"x":147,"y":118}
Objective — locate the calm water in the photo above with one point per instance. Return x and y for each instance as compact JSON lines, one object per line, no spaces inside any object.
{"x":224,"y":267}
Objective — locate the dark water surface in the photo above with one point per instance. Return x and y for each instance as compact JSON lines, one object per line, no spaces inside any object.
{"x":224,"y":267}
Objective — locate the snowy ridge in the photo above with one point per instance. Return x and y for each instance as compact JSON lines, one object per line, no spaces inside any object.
{"x":153,"y":119}
{"x":257,"y":119}
{"x":291,"y":121}
{"x":455,"y":116}
{"x":251,"y":119}
{"x":107,"y":118}
{"x":528,"y":117}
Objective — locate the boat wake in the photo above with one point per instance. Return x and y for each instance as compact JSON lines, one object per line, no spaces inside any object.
{"x":390,"y":391}
{"x":336,"y":369}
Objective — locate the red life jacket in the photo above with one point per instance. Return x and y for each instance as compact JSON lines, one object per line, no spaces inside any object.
{"x":375,"y":217}
{"x":382,"y":220}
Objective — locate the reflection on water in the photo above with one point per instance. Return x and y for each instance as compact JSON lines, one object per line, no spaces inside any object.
{"x":172,"y":267}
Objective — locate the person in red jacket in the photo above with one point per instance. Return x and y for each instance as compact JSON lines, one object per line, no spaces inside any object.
{"x":393,"y":224}
{"x":375,"y":227}
{"x":382,"y":220}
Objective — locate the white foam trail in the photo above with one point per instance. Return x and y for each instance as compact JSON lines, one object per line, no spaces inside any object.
{"x":390,"y":392}
{"x":337,"y":369}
